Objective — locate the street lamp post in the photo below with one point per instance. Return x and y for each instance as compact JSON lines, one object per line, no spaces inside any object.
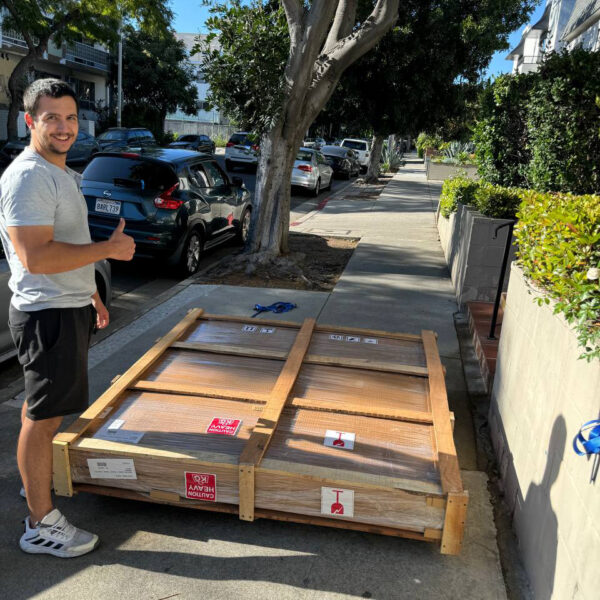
{"x":120,"y":76}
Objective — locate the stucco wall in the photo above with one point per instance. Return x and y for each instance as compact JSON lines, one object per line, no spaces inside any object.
{"x":473,"y":256}
{"x":542,"y":395}
{"x":441,"y":171}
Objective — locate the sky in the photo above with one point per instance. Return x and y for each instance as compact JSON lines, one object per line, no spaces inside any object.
{"x":190,"y":16}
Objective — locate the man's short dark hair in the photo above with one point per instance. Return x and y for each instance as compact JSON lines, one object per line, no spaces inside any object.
{"x":53,"y":88}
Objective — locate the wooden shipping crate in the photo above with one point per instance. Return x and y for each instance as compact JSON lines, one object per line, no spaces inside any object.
{"x":332,"y":426}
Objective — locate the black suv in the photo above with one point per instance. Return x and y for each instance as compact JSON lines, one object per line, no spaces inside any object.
{"x":176,"y":203}
{"x":199,"y":143}
{"x":122,"y":138}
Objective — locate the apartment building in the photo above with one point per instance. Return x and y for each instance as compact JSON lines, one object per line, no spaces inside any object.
{"x":205,"y":121}
{"x":85,"y":66}
{"x":565,"y":24}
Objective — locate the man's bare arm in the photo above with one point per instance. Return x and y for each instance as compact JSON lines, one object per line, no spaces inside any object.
{"x":41,"y":254}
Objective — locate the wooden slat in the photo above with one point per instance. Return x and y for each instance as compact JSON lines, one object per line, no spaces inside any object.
{"x":231,"y":350}
{"x":432,"y":534}
{"x":190,"y":389}
{"x":313,"y":359}
{"x":258,"y":442}
{"x":263,"y":431}
{"x":259,"y":513}
{"x":133,"y":373}
{"x":61,"y":469}
{"x":320,"y":328}
{"x":454,"y":522}
{"x":170,"y":497}
{"x":246,"y":492}
{"x":447,"y":459}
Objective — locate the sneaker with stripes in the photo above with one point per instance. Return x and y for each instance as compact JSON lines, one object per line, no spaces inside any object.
{"x":55,"y":535}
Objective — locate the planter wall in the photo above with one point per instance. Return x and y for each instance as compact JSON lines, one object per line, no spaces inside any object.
{"x":441,"y":171}
{"x":542,"y":395}
{"x":473,"y":256}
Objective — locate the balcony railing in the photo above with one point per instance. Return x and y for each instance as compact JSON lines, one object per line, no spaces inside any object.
{"x":82,"y":54}
{"x":10,"y":37}
{"x":531,"y":60}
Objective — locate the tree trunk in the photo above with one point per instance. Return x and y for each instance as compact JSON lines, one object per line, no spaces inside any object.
{"x":271,"y":216}
{"x":17,"y":83}
{"x":374,"y":168}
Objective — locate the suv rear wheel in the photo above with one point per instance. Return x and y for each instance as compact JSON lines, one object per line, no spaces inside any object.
{"x":192,"y":253}
{"x":243,"y":231}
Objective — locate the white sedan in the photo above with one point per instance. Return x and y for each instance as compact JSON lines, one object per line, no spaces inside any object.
{"x":311,"y":171}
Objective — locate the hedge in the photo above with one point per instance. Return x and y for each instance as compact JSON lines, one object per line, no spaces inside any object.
{"x":558,"y":237}
{"x":490,"y":200}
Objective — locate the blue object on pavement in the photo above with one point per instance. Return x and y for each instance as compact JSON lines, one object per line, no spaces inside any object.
{"x":276,"y":307}
{"x":591,"y":445}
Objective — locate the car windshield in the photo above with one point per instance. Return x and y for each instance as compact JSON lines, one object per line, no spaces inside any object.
{"x":354,"y":145}
{"x":187,"y":138}
{"x":130,"y":172}
{"x":304,"y":156}
{"x":335,"y":151}
{"x":239,"y":138}
{"x":112,"y":135}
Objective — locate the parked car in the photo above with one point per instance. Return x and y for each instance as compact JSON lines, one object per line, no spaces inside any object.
{"x":199,"y":143}
{"x":311,"y":171}
{"x":343,"y":161}
{"x":362,"y":149}
{"x":82,"y":150}
{"x":315,"y":143}
{"x":241,"y":151}
{"x":7,"y":349}
{"x":176,"y":203}
{"x":122,"y":138}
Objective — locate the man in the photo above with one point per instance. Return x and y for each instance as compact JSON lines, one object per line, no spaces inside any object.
{"x":46,"y":239}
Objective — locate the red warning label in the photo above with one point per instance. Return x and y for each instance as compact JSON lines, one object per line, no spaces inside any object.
{"x":224,"y":426}
{"x":201,"y":486}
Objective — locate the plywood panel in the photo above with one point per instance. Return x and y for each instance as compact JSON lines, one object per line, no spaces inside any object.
{"x":217,"y":371}
{"x":223,"y":332}
{"x":341,"y":386}
{"x":381,"y":448}
{"x":181,"y":422}
{"x":374,"y":348}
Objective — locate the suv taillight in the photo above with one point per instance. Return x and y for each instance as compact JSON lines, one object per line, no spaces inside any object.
{"x":229,"y":144}
{"x":166,"y":200}
{"x":254,"y":147}
{"x":306,"y":168}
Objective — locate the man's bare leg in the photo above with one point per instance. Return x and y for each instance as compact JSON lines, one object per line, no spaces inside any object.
{"x":34,"y":456}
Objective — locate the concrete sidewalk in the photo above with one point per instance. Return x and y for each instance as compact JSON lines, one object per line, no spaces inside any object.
{"x":396,"y":280}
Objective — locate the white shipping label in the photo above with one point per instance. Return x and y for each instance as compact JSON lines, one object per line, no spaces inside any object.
{"x":336,"y":337}
{"x":116,"y":424}
{"x":111,"y":468}
{"x":339,"y":439}
{"x":249,"y":328}
{"x":352,"y":338}
{"x":370,"y":341}
{"x":267,"y":330}
{"x":336,"y":502}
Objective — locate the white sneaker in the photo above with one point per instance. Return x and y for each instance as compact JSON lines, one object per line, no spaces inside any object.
{"x":22,"y":493}
{"x":55,"y":535}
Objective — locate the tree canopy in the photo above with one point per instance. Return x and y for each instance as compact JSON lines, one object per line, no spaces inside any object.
{"x":157,"y":79}
{"x":70,"y":21}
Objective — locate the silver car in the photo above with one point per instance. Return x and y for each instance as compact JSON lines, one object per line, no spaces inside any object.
{"x":311,"y":171}
{"x":7,"y":348}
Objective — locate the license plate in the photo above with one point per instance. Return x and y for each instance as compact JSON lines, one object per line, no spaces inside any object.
{"x":110,"y":207}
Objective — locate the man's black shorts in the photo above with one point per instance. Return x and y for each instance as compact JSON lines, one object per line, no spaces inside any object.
{"x":52,"y":345}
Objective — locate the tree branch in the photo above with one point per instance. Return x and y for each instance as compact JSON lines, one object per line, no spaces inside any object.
{"x":342,"y":24}
{"x":330,"y":66}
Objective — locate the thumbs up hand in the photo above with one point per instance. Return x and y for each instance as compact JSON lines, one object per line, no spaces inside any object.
{"x":121,"y":245}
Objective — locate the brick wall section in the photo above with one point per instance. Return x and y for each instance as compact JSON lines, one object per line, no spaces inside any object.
{"x":473,"y":256}
{"x":542,"y":395}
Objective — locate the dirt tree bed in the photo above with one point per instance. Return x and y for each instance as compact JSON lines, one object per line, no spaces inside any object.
{"x":314,"y":263}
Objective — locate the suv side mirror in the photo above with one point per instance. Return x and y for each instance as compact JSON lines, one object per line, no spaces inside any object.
{"x":237,"y":181}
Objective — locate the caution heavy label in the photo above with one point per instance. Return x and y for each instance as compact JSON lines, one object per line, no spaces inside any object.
{"x":201,"y":486}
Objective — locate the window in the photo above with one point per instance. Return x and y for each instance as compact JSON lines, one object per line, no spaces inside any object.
{"x":187,"y":138}
{"x":304,"y":156}
{"x":198,"y":176}
{"x":355,"y":145}
{"x":216,"y":174}
{"x":130,"y":172}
